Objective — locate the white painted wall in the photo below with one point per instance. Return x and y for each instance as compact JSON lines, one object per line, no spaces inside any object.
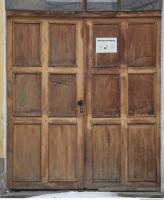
{"x":2,"y":76}
{"x":3,"y":110}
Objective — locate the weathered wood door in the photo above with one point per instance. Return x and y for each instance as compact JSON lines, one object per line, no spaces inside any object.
{"x":123,"y":105}
{"x":46,"y":136}
{"x":78,"y":118}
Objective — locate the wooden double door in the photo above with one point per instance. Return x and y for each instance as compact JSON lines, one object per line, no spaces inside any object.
{"x":79,"y":117}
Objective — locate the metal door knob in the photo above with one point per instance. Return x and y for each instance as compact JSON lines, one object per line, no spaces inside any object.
{"x":81,"y":105}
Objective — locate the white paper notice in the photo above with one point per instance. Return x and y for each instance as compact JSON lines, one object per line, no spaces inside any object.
{"x":106,"y":45}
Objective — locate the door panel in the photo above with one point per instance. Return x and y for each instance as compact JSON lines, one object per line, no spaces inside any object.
{"x":62,"y":147}
{"x":103,"y":109}
{"x":142,"y":155}
{"x":26,"y":44}
{"x":51,"y":154}
{"x":106,"y":151}
{"x":106,"y":95}
{"x":26,"y":152}
{"x":141,"y":44}
{"x":62,"y":95}
{"x":106,"y":31}
{"x":27,"y":94}
{"x":141,"y":93}
{"x":123,"y":105}
{"x":61,"y":53}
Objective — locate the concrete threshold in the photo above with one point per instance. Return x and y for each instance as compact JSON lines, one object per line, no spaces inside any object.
{"x":76,"y":194}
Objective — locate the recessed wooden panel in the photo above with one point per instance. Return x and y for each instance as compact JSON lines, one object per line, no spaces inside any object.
{"x":106,"y":96}
{"x":106,"y":153}
{"x":62,"y":152}
{"x":141,"y":94}
{"x":26,"y":44}
{"x":62,"y":95}
{"x":26,"y":152}
{"x":62,"y":50}
{"x":106,"y":59}
{"x":142,"y":154}
{"x":141,"y":44}
{"x":27,"y":94}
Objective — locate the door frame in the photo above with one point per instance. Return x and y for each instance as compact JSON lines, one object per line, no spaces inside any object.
{"x":81,"y":16}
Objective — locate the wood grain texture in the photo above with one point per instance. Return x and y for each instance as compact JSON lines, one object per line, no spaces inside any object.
{"x":141,"y":44}
{"x":26,"y":44}
{"x":135,"y":93}
{"x":106,"y":151}
{"x":94,"y":14}
{"x":100,"y":147}
{"x":62,"y":95}
{"x":27,"y":94}
{"x":141,"y":94}
{"x":62,"y":152}
{"x":142,"y":154}
{"x":62,"y":50}
{"x":26,"y":152}
{"x":106,"y":31}
{"x":29,"y":89}
{"x":106,"y":96}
